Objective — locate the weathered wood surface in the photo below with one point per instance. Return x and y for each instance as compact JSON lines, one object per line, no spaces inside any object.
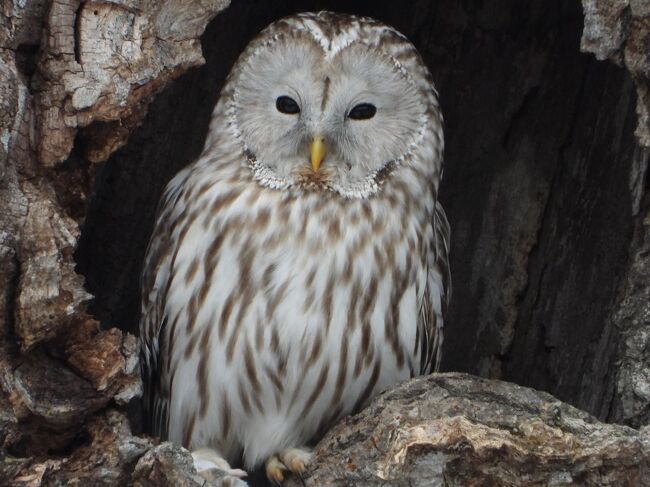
{"x":457,"y":430}
{"x":442,"y":430}
{"x":76,"y":74}
{"x":619,"y":31}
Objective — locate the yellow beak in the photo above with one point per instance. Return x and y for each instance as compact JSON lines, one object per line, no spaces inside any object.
{"x":317,"y":152}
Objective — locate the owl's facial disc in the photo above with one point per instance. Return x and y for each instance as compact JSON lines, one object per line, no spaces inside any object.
{"x":319,"y":121}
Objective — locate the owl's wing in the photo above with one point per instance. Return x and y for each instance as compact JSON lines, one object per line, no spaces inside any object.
{"x":436,"y":295}
{"x":154,"y":333}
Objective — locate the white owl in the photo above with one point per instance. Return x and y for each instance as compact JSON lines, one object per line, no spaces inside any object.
{"x":300,"y":266}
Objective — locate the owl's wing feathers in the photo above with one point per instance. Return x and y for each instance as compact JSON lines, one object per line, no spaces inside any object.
{"x":437,"y":295}
{"x":154,"y":334}
{"x":156,"y":396}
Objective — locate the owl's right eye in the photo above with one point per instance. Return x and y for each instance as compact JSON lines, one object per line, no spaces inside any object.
{"x":286,"y":104}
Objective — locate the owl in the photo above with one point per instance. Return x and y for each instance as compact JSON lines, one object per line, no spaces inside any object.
{"x":300,"y":266}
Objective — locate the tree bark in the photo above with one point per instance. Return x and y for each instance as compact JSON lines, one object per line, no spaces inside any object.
{"x":458,"y":430}
{"x":545,"y":187}
{"x":71,"y":74}
{"x":619,"y":31}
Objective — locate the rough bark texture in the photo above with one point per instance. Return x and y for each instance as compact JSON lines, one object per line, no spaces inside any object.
{"x":631,"y":316}
{"x":619,"y":31}
{"x":110,"y":456}
{"x":457,"y":430}
{"x":443,"y":430}
{"x":102,"y":62}
{"x":79,"y":73}
{"x":545,"y":186}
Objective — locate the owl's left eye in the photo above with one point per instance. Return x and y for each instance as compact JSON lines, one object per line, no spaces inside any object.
{"x":286,"y":104}
{"x":362,"y":111}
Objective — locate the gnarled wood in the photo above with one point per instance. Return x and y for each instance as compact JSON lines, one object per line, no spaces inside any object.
{"x":457,"y":430}
{"x":66,"y":66}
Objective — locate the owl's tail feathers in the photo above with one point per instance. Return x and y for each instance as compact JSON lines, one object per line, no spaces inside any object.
{"x":214,"y":468}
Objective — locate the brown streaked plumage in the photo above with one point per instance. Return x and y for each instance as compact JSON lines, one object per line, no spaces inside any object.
{"x":283,"y":289}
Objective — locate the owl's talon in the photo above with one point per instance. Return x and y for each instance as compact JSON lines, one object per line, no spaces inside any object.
{"x":296,"y":460}
{"x":275,"y":470}
{"x":297,"y":466}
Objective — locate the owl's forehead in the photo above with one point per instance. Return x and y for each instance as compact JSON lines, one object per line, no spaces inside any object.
{"x":334,"y":32}
{"x":297,"y":61}
{"x":306,"y":49}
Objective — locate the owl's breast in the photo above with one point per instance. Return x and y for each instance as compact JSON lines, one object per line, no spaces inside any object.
{"x":293,"y":311}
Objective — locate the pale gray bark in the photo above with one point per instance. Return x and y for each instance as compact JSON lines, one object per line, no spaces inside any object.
{"x":67,"y":66}
{"x":457,"y":430}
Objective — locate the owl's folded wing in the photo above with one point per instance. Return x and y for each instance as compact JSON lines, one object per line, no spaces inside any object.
{"x":154,"y":334}
{"x":436,"y":297}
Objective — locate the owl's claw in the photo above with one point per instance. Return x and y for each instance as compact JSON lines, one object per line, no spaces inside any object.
{"x":275,"y":470}
{"x":294,"y":460}
{"x":212,"y":466}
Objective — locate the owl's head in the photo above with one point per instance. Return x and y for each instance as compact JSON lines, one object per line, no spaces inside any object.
{"x":332,"y":102}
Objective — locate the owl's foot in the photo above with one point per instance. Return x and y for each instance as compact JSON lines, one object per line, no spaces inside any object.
{"x":294,"y":460}
{"x":212,"y":466}
{"x":275,"y":469}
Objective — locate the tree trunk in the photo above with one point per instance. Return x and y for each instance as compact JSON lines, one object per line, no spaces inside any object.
{"x":76,"y":78}
{"x":545,"y":187}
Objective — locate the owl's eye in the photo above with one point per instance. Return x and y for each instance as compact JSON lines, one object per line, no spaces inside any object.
{"x":362,"y":111}
{"x":286,"y":104}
